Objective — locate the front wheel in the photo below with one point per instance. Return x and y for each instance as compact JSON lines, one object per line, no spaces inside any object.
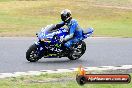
{"x":32,"y":54}
{"x":77,"y":51}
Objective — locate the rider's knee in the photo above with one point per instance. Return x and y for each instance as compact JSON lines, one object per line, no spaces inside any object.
{"x":68,"y":44}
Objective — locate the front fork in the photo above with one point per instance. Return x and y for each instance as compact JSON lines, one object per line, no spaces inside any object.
{"x":40,"y":49}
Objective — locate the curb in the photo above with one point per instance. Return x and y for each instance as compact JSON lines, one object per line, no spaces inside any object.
{"x":100,"y":68}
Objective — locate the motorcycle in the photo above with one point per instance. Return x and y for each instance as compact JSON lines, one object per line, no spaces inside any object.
{"x":49,"y":45}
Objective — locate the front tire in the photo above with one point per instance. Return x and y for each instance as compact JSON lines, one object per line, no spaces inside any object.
{"x":78,"y":51}
{"x":31,"y":54}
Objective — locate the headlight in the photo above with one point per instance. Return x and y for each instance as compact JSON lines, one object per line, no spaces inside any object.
{"x":45,"y":40}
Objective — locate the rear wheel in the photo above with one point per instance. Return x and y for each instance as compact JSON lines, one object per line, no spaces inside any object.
{"x":32,"y":54}
{"x":77,"y":51}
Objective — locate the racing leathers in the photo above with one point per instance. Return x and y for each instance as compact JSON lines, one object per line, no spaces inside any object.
{"x":75,"y":32}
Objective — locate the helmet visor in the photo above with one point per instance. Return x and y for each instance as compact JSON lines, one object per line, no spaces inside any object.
{"x":63,"y":17}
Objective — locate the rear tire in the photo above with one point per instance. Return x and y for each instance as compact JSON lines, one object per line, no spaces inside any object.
{"x":31,"y":54}
{"x":76,"y":53}
{"x":83,"y":47}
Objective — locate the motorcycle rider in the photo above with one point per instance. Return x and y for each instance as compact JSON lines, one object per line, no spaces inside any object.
{"x":75,"y":32}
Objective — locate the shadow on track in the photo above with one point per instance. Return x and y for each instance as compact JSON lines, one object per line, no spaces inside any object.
{"x":62,"y":61}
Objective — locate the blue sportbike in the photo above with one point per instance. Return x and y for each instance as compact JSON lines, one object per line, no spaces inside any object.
{"x":50,"y":45}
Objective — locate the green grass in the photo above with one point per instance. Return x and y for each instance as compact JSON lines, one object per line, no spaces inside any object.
{"x":26,"y":17}
{"x":42,"y":81}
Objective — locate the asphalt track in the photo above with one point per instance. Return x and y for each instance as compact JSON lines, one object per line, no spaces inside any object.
{"x":100,"y":52}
